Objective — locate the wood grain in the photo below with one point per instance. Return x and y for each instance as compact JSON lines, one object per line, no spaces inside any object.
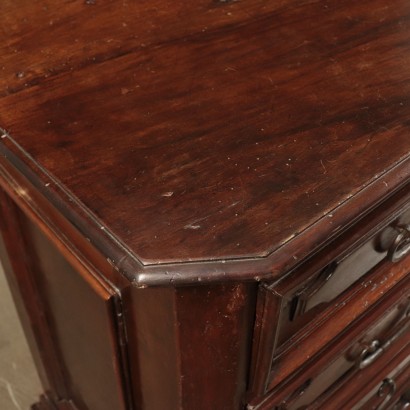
{"x":220,"y":137}
{"x":348,"y":335}
{"x":169,"y":144}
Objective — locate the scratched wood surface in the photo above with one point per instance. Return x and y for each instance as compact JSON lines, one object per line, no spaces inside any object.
{"x":207,"y":130}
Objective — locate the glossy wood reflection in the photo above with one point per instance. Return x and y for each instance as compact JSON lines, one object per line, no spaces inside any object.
{"x":202,"y":203}
{"x":226,"y":138}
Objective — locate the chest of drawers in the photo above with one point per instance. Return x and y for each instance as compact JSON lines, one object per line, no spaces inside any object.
{"x":206,"y":205}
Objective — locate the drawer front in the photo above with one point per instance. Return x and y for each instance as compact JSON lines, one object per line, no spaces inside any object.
{"x":392,"y":391}
{"x":386,"y":386}
{"x":301,"y":305}
{"x":376,"y":342}
{"x":403,"y":402}
{"x":367,"y":260}
{"x":372,"y":340}
{"x":327,"y":326}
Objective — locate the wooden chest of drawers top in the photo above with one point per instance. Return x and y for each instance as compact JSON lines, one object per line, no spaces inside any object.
{"x":243,"y":135}
{"x":150,"y":145}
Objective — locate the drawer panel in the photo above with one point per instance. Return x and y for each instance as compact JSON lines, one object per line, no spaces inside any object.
{"x":371,"y":340}
{"x":403,"y":402}
{"x":329,"y":324}
{"x":392,"y":391}
{"x":301,"y":305}
{"x":376,"y":342}
{"x":378,"y":388}
{"x":353,"y":271}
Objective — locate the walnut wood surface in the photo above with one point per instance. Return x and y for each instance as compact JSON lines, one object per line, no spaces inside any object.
{"x":188,"y":142}
{"x":348,"y":335}
{"x":73,"y":314}
{"x":209,"y":130}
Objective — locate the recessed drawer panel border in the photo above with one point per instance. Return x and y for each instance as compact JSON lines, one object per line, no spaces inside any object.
{"x":381,"y":231}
